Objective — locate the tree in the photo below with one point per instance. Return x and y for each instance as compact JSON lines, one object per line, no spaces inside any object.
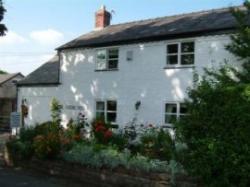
{"x":240,"y":45}
{"x":217,"y":129}
{"x":3,"y":28}
{"x":2,"y":72}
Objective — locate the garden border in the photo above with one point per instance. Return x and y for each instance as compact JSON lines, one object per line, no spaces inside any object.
{"x":106,"y":177}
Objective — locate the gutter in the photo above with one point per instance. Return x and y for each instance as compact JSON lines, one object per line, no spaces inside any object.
{"x":228,"y":30}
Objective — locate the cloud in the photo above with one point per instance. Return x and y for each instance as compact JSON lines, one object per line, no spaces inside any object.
{"x":12,"y":38}
{"x":28,"y":51}
{"x":23,"y":64}
{"x":47,"y":37}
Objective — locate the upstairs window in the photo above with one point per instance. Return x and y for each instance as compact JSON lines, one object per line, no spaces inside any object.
{"x":174,"y":111}
{"x":107,"y":110}
{"x":107,"y":59}
{"x":180,"y":54}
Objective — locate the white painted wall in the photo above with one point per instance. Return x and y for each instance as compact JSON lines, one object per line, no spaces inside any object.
{"x":143,"y":79}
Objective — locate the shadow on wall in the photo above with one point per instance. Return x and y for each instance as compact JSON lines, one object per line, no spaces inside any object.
{"x":71,"y":93}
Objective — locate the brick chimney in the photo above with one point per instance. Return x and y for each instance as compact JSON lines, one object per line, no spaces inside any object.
{"x":102,"y":18}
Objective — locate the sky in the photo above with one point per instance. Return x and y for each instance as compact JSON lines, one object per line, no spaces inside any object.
{"x":37,"y":27}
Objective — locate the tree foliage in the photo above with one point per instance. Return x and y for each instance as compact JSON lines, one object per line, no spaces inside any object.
{"x":2,"y":72}
{"x":217,"y":129}
{"x":56,"y":110}
{"x":240,"y":45}
{"x":3,"y":28}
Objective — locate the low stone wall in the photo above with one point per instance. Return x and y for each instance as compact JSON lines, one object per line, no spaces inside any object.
{"x":105,"y":178}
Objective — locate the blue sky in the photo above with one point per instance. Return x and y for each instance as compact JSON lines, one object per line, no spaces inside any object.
{"x":37,"y":27}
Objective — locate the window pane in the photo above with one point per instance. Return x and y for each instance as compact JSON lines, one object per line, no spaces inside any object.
{"x":111,"y":117}
{"x":187,"y":47}
{"x":101,"y":59}
{"x":183,"y":109}
{"x":172,"y":60}
{"x":101,"y":65}
{"x":113,"y":53}
{"x":101,"y":54}
{"x":170,"y":118}
{"x":100,"y":105}
{"x":113,"y":64}
{"x":172,"y":48}
{"x":187,"y":59}
{"x":171,"y":108}
{"x":111,"y":105}
{"x":100,"y":115}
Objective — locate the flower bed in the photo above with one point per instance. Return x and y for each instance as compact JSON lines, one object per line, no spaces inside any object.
{"x":132,"y":150}
{"x":107,"y":178}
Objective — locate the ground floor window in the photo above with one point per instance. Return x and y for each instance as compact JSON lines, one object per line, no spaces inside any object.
{"x":174,"y":111}
{"x":107,"y":110}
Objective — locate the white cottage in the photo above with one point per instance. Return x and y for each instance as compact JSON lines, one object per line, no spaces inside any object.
{"x":137,"y":70}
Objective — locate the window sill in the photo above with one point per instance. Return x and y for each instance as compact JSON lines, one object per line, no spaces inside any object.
{"x":100,"y":70}
{"x":179,"y":67}
{"x":114,"y":126}
{"x":167,"y":126}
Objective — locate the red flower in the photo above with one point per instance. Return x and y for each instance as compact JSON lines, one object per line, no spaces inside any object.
{"x":100,"y":128}
{"x":108,"y":134}
{"x":99,"y":123}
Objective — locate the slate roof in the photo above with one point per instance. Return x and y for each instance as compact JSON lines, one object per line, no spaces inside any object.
{"x":179,"y":26}
{"x":6,"y":77}
{"x":47,"y":74}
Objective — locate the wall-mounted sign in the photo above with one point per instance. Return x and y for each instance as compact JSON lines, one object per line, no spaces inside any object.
{"x":15,"y":119}
{"x":73,"y":107}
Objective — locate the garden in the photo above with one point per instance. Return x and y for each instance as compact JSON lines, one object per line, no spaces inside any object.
{"x":134,"y":148}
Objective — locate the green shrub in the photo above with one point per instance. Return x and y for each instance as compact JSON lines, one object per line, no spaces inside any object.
{"x":217,"y":129}
{"x":47,"y":146}
{"x":99,"y":156}
{"x":19,"y":150}
{"x":157,"y":143}
{"x":56,"y":110}
{"x":27,"y":134}
{"x":216,"y":132}
{"x":48,"y":127}
{"x":119,"y":140}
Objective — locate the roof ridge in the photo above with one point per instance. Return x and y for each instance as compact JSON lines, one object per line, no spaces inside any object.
{"x":9,"y":76}
{"x":176,"y":15}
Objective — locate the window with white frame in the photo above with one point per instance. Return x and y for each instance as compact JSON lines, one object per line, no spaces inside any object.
{"x":181,"y":53}
{"x":107,"y":59}
{"x":106,"y":110}
{"x":174,"y":111}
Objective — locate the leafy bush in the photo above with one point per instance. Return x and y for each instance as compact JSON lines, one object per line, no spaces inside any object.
{"x":27,"y":134}
{"x":56,"y":110}
{"x":108,"y":157}
{"x":216,"y":132}
{"x":157,"y":143}
{"x":119,"y":140}
{"x":47,"y":146}
{"x":43,"y":141}
{"x":19,"y":150}
{"x":217,"y":129}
